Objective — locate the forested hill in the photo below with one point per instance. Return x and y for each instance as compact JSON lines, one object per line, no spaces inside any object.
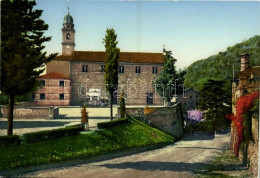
{"x":220,"y":66}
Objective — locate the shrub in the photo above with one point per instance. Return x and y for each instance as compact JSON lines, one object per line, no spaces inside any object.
{"x":3,"y":99}
{"x":84,"y":114}
{"x":103,"y":125}
{"x":12,"y":140}
{"x":148,"y":109}
{"x":50,"y":134}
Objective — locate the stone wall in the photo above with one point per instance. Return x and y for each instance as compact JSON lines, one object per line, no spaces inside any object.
{"x":167,"y":119}
{"x":253,"y":146}
{"x":31,"y":112}
{"x":252,"y":151}
{"x":135,"y":85}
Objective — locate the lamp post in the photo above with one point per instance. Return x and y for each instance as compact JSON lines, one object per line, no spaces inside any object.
{"x":175,"y":88}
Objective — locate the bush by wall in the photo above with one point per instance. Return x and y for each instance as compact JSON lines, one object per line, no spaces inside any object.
{"x":103,"y":125}
{"x":50,"y":134}
{"x":12,"y":140}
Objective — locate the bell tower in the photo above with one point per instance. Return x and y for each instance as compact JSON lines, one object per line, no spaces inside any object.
{"x":68,"y":35}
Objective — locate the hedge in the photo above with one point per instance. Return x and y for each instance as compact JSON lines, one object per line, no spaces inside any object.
{"x":50,"y":134}
{"x":12,"y":140}
{"x":103,"y":125}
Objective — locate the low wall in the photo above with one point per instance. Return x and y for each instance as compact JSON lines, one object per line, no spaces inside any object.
{"x":253,"y":150}
{"x":167,"y":119}
{"x":31,"y":112}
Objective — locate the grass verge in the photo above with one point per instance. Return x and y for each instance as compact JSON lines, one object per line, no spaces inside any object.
{"x":225,"y":165}
{"x":131,"y":134}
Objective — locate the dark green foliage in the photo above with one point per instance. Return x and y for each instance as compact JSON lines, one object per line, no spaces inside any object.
{"x":108,"y":124}
{"x":181,"y":77}
{"x":111,"y":64}
{"x":27,"y":97}
{"x":3,"y":99}
{"x":122,"y":105}
{"x":214,"y":101}
{"x":220,"y":66}
{"x":21,"y":49}
{"x":164,"y":83}
{"x":50,"y":134}
{"x":211,"y":125}
{"x":11,"y":140}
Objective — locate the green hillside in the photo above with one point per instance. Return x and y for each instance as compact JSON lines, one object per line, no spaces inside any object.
{"x":220,"y":66}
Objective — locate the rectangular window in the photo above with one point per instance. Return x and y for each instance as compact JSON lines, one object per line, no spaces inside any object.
{"x":102,"y":68}
{"x":62,"y":96}
{"x":190,"y":97}
{"x":154,"y":70}
{"x":42,"y":83}
{"x":121,"y":69}
{"x":33,"y":96}
{"x":138,"y":69}
{"x":197,"y":96}
{"x":61,"y":83}
{"x":42,"y":96}
{"x":84,"y":68}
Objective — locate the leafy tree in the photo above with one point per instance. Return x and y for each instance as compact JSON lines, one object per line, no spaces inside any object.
{"x":22,"y":50}
{"x":122,"y":105}
{"x":111,"y":65}
{"x":213,"y":99}
{"x":164,"y":83}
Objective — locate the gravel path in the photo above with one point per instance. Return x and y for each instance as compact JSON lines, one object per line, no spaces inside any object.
{"x":178,"y":160}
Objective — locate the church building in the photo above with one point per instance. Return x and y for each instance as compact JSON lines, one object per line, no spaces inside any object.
{"x":85,"y":69}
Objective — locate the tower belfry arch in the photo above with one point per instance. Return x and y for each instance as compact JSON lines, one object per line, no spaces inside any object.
{"x":68,"y":35}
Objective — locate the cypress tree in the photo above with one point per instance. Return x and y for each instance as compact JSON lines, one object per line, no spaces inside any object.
{"x":111,"y":65}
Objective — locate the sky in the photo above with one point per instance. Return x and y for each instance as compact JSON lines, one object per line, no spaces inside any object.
{"x":191,"y":30}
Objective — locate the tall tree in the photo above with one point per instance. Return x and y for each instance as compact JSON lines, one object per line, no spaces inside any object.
{"x":111,"y":65}
{"x":165,"y":82}
{"x":213,"y":99}
{"x":22,"y":50}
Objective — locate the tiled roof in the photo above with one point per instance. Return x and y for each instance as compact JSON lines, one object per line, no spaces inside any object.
{"x":99,"y":56}
{"x":53,"y":75}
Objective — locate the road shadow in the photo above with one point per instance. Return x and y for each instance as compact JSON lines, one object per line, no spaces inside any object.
{"x":32,"y":124}
{"x":198,"y":136}
{"x":161,"y":166}
{"x":205,"y":148}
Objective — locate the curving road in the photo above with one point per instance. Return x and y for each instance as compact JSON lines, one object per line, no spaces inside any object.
{"x":178,"y":160}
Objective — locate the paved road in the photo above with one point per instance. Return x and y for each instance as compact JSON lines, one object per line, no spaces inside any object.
{"x":178,"y":160}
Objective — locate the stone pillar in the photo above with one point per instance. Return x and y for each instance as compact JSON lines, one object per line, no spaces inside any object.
{"x":51,"y":109}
